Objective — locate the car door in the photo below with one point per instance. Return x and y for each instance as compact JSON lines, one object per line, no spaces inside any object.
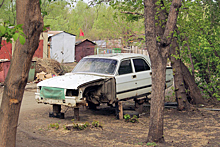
{"x":143,"y":76}
{"x":125,"y":80}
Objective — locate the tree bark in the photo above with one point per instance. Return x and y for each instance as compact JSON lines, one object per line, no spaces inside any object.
{"x":28,"y":14}
{"x":155,"y":133}
{"x":158,"y":56}
{"x":194,"y":91}
{"x":179,"y":85}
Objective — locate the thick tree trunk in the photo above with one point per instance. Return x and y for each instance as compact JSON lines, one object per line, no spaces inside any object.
{"x":28,"y":14}
{"x":158,"y":66}
{"x":158,"y":56}
{"x":157,"y":102}
{"x":194,"y":91}
{"x":180,"y":91}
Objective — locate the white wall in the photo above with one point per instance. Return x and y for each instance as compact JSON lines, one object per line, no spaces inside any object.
{"x":62,"y":47}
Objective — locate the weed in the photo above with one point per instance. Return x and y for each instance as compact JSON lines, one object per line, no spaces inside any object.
{"x":86,"y":124}
{"x":54,"y":125}
{"x":151,"y":144}
{"x":81,"y":126}
{"x":127,"y":117}
{"x":64,"y":126}
{"x":133,"y":119}
{"x":96,"y":124}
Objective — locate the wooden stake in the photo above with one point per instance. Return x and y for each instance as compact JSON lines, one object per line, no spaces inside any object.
{"x":76,"y":114}
{"x":120,"y":107}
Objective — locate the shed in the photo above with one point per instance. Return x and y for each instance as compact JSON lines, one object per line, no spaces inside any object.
{"x":62,"y":47}
{"x":84,"y":48}
{"x":7,"y":48}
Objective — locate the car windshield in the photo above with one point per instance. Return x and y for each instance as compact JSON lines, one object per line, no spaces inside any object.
{"x":96,"y":65}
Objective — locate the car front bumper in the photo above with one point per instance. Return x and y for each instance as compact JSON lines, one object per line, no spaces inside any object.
{"x":68,"y":101}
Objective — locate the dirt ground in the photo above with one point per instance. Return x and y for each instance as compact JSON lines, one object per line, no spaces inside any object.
{"x":199,"y":128}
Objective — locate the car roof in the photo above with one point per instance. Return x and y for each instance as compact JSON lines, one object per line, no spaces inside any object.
{"x":118,"y":56}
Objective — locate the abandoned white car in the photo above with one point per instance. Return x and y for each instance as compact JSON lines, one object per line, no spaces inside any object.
{"x":97,"y":79}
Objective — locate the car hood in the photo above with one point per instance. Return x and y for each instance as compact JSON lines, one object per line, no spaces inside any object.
{"x":70,"y":80}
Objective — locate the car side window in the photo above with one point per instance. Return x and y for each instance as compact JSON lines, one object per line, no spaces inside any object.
{"x":125,"y":67}
{"x":140,"y":65}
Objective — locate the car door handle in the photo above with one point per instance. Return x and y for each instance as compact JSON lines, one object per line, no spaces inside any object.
{"x":134,"y":76}
{"x":151,"y":73}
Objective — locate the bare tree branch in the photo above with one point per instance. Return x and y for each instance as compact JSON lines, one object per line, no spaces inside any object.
{"x":2,"y":3}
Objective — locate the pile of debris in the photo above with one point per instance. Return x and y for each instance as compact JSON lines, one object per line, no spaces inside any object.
{"x":47,"y":68}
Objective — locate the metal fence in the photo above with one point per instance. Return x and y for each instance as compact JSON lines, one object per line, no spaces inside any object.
{"x":132,"y":49}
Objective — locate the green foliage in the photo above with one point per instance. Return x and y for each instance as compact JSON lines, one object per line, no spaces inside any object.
{"x":54,"y":125}
{"x":151,"y":144}
{"x":64,"y":127}
{"x":136,"y":7}
{"x":199,"y":37}
{"x":99,"y":22}
{"x":97,"y":124}
{"x":81,"y":126}
{"x":14,"y":32}
{"x":133,"y":119}
{"x":21,"y":39}
{"x":127,"y":117}
{"x":2,"y":30}
{"x":170,"y":94}
{"x":8,"y":12}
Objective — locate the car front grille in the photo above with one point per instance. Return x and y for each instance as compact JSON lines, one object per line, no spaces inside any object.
{"x":52,"y":93}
